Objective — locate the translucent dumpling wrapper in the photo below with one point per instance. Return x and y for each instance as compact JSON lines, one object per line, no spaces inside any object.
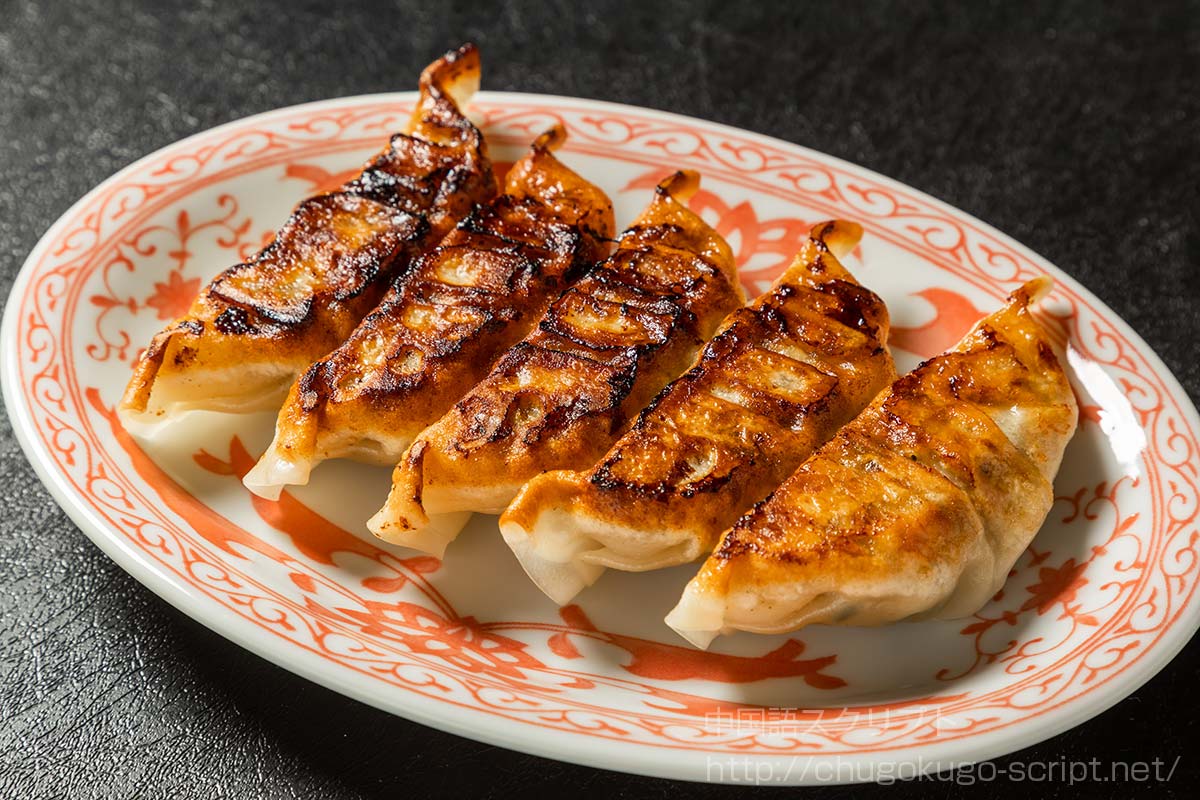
{"x":918,"y":508}
{"x":777,"y":381}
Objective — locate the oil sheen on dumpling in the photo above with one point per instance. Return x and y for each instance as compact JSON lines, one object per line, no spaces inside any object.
{"x":778,"y":380}
{"x":918,"y":508}
{"x":260,"y":324}
{"x":439,"y":329}
{"x":560,"y":398}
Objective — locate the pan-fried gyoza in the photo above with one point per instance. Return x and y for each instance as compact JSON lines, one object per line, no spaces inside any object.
{"x":559,"y":398}
{"x":259,"y":324}
{"x":776,"y":382}
{"x":438,"y":330}
{"x":918,"y":508}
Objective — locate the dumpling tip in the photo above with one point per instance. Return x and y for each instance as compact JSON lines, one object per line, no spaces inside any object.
{"x":560,"y":581}
{"x":1033,"y":290}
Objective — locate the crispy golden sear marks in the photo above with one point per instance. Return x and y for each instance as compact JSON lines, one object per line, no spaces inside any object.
{"x":439,"y":329}
{"x":260,"y":323}
{"x":778,"y":380}
{"x":919,"y":506}
{"x":758,"y":405}
{"x":560,"y":397}
{"x":331,"y":250}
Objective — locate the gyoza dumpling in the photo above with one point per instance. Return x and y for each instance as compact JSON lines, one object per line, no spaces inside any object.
{"x":564,"y":394}
{"x":438,"y":330}
{"x":777,"y":381}
{"x":918,"y":507}
{"x":258,"y":325}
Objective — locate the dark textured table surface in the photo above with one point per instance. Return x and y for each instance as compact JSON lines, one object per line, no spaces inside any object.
{"x":1074,"y":130}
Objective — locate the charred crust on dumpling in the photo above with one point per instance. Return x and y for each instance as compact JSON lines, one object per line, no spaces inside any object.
{"x":796,"y":313}
{"x":600,"y":352}
{"x":233,"y":321}
{"x":779,"y":378}
{"x":938,"y":439}
{"x":262,"y":287}
{"x":337,"y":253}
{"x":184,"y":356}
{"x":517,"y":241}
{"x":854,"y":306}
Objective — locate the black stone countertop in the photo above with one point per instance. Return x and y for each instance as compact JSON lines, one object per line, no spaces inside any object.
{"x":1074,"y":129}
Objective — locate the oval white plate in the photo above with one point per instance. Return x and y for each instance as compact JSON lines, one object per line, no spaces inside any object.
{"x":1099,"y":603}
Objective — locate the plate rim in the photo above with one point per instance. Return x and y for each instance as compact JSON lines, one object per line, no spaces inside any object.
{"x":638,"y":758}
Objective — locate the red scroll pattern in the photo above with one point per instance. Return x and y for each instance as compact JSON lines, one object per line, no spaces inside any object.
{"x":394,"y":626}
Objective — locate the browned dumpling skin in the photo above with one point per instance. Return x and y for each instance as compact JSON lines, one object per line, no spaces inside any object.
{"x":259,"y":325}
{"x":778,"y":380}
{"x":559,"y":398}
{"x":918,"y":508}
{"x":439,"y":329}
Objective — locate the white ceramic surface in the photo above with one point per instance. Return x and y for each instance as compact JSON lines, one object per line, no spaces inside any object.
{"x":1100,"y":602}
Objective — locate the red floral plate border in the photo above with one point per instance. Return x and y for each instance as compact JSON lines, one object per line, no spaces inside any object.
{"x":1096,"y":607}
